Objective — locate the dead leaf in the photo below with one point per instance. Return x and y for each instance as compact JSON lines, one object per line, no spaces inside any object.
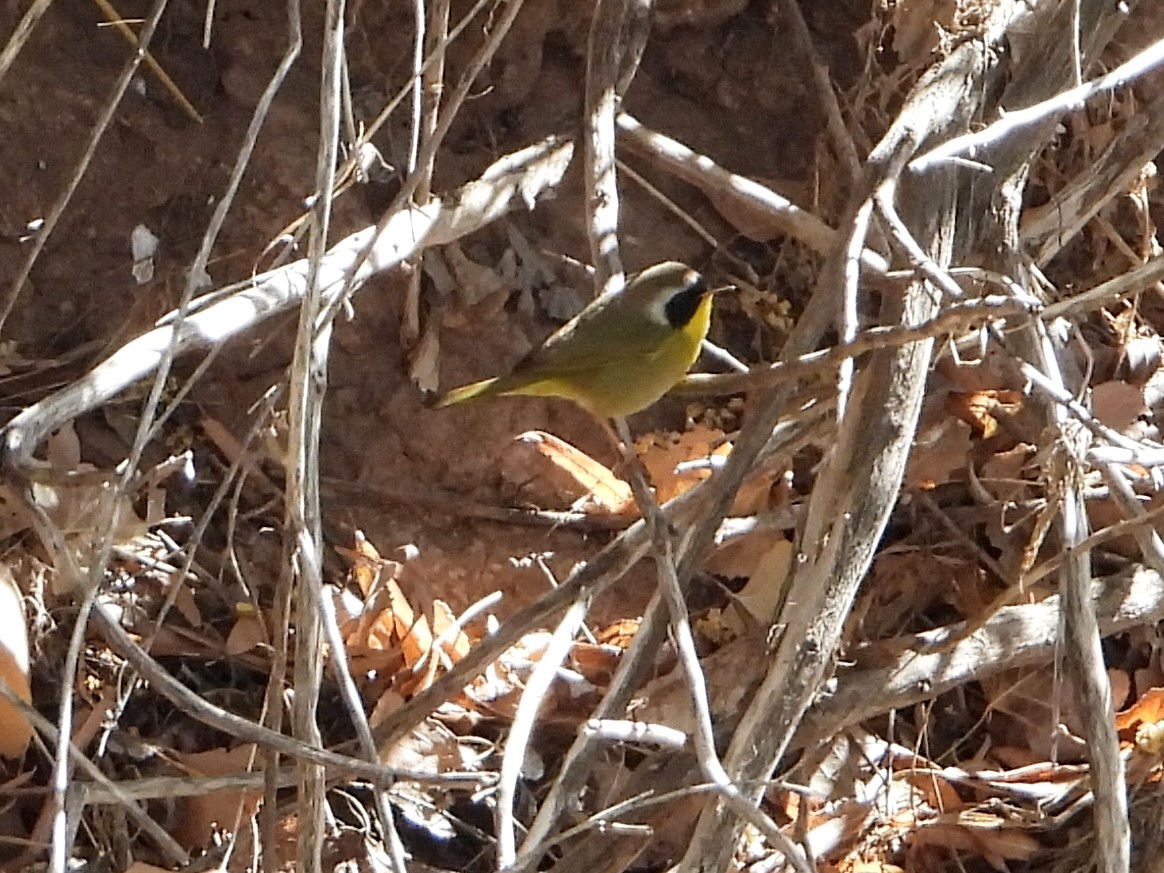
{"x":1002,"y":473}
{"x":620,"y":634}
{"x":411,"y":629}
{"x":938,"y":453}
{"x":763,"y":593}
{"x":552,"y":474}
{"x":455,"y":645}
{"x":499,"y":689}
{"x":662,"y":454}
{"x":424,"y":361}
{"x":386,"y":704}
{"x":63,"y":448}
{"x":247,"y":633}
{"x":201,"y":815}
{"x":1149,"y":709}
{"x":1118,"y":404}
{"x":917,"y":25}
{"x":81,"y":510}
{"x":184,"y":601}
{"x":981,"y":409}
{"x":731,"y":672}
{"x":596,"y":662}
{"x":373,"y":629}
{"x":475,"y":281}
{"x":15,"y":729}
{"x":990,"y":839}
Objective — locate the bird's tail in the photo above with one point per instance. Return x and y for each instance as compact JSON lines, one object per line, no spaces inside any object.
{"x":465,"y":393}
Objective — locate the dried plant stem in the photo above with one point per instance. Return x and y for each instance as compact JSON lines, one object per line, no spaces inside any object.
{"x":520,"y":732}
{"x":1015,"y":123}
{"x":428,"y":83}
{"x":118,"y":21}
{"x":20,"y":34}
{"x":671,"y":592}
{"x":705,"y":174}
{"x":600,"y":168}
{"x":307,"y":382}
{"x":949,"y":321}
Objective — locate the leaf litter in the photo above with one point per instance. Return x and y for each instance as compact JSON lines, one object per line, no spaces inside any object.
{"x":470,"y":518}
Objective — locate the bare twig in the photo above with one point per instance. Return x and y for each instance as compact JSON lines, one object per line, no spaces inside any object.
{"x":1082,"y":654}
{"x":1015,"y":637}
{"x":1118,"y":288}
{"x":951,"y":320}
{"x":671,"y":593}
{"x":1016,"y":122}
{"x":517,"y":743}
{"x":706,"y":175}
{"x":517,"y":178}
{"x":1151,"y":546}
{"x":118,"y":21}
{"x":838,"y":132}
{"x":1047,"y":228}
{"x":603,"y":54}
{"x":307,"y":383}
{"x":21,"y":33}
{"x":428,"y":82}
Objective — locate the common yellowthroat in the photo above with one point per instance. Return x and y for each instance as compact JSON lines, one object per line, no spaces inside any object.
{"x":618,"y":355}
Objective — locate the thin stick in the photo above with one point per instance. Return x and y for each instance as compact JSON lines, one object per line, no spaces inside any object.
{"x":303,"y":547}
{"x":951,"y":320}
{"x":118,"y":21}
{"x":521,"y":730}
{"x":1019,"y":121}
{"x":705,"y":174}
{"x":671,"y":593}
{"x":20,"y":34}
{"x":516,"y":178}
{"x":600,"y":169}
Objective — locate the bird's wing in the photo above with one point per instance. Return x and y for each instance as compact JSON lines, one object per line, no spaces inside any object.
{"x":616,"y":340}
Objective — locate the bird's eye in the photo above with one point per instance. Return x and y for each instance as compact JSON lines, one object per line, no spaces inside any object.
{"x":682,"y":305}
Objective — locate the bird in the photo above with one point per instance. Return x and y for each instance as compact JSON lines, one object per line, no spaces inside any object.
{"x":621,"y":353}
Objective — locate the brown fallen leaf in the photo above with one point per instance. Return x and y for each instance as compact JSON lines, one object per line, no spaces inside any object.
{"x":15,"y":730}
{"x":200,"y":815}
{"x":553,"y":474}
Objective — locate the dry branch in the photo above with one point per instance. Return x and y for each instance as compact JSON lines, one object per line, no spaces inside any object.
{"x":1014,"y":638}
{"x":514,"y":180}
{"x":850,"y":503}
